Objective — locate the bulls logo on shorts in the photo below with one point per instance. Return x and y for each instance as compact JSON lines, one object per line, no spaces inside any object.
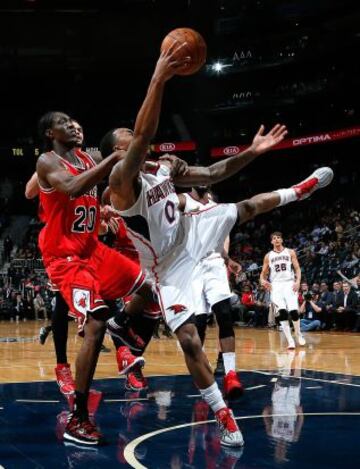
{"x":176,"y":309}
{"x":81,"y":300}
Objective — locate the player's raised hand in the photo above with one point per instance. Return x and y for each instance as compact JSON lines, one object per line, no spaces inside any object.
{"x":169,"y":61}
{"x":263,"y":143}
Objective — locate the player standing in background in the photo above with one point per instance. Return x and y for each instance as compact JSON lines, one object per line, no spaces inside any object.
{"x":281,"y":275}
{"x":211,"y":292}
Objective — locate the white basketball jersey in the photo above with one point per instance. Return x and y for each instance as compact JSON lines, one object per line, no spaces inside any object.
{"x":280,"y":264}
{"x":193,"y":205}
{"x":153,"y":222}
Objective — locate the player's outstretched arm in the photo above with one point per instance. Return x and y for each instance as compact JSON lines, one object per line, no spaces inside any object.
{"x":147,"y":121}
{"x":230,"y":166}
{"x":52,"y":174}
{"x":32,"y":187}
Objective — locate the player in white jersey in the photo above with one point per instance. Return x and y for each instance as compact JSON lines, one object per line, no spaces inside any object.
{"x":211,"y":292}
{"x":281,"y":275}
{"x":171,"y":243}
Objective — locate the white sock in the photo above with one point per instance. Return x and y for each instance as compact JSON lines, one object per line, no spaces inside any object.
{"x":229,"y":361}
{"x":297,"y":327}
{"x":213,"y":397}
{"x":286,"y":196}
{"x":286,"y":329}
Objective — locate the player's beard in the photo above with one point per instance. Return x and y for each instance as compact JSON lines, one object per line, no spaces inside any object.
{"x":201,"y":190}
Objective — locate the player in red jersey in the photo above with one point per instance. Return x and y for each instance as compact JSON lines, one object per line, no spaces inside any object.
{"x":59,"y":316}
{"x":86,"y":271}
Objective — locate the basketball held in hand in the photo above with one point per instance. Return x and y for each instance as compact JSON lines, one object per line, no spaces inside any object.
{"x":195,"y":49}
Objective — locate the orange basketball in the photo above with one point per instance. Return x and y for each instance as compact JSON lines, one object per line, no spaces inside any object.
{"x":195,"y":48}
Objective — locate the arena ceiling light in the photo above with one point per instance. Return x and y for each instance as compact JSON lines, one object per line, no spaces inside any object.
{"x":217,"y":67}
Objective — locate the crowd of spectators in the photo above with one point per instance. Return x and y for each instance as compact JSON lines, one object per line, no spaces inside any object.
{"x":24,"y":294}
{"x":327,"y":242}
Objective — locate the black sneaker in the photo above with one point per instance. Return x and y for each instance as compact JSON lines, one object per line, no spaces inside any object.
{"x":82,"y":431}
{"x":43,"y":334}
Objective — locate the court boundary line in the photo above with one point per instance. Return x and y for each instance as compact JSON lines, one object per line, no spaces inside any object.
{"x":129,"y":450}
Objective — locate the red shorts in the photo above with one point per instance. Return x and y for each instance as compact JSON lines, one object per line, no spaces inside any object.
{"x":86,"y":283}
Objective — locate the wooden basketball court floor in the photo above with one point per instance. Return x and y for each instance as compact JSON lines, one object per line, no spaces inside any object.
{"x":300,"y":409}
{"x":23,"y":359}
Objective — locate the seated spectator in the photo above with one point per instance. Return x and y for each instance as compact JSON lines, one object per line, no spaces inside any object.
{"x":262,"y":303}
{"x":39,"y":307}
{"x":346,"y":308}
{"x":304,"y":288}
{"x":311,"y":310}
{"x":325,"y":296}
{"x":247,"y":305}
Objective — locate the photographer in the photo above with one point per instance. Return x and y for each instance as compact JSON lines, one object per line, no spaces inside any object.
{"x":311,"y":310}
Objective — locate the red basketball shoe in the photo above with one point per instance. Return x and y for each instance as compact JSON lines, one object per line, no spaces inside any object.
{"x":127,"y":361}
{"x":233,"y":387}
{"x":82,"y":431}
{"x":319,"y":179}
{"x":64,"y":378}
{"x":135,"y":380}
{"x":230,"y":435}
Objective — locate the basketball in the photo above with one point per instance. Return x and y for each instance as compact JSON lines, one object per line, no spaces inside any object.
{"x":195,"y":48}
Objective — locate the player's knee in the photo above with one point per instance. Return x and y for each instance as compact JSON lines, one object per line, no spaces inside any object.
{"x":96,"y":326}
{"x":283,"y":315}
{"x":190,"y":342}
{"x":223,"y":314}
{"x":294,"y":314}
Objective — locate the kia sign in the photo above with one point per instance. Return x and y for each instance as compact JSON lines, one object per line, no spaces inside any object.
{"x":231,"y":150}
{"x":167,"y":147}
{"x":332,"y":135}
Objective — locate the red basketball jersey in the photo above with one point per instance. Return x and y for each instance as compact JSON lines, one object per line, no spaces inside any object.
{"x":71,"y":223}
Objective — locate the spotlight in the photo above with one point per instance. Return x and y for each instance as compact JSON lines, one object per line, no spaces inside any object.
{"x":217,"y":67}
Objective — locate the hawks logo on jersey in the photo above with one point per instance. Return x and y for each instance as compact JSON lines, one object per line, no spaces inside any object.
{"x":159,"y":192}
{"x":177,"y":308}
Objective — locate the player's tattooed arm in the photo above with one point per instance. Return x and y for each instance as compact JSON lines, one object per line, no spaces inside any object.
{"x":32,"y":187}
{"x":53,"y":174}
{"x":265,"y":274}
{"x":297,"y":270}
{"x":230,"y":166}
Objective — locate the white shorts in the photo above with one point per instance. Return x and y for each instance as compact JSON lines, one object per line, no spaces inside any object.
{"x":205,"y":233}
{"x":210,"y":284}
{"x":283,"y":296}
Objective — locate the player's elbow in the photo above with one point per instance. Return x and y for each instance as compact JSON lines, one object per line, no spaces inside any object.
{"x":250,"y":208}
